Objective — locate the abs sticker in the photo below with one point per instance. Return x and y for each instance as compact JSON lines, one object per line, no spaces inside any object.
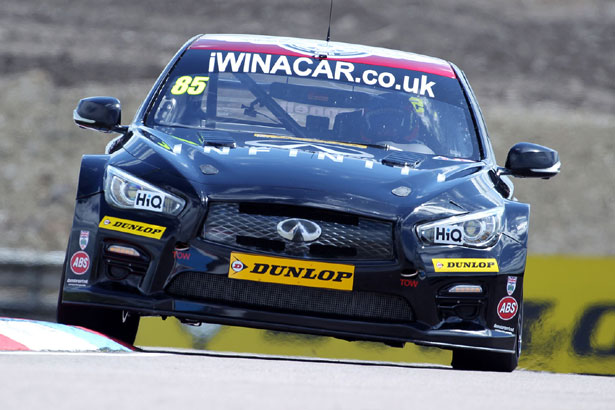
{"x":80,"y":263}
{"x":507,"y":308}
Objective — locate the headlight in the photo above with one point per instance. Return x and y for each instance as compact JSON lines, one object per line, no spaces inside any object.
{"x":124,"y":190}
{"x":479,"y":229}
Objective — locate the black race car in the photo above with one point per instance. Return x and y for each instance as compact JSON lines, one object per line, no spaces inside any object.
{"x":304,"y":186}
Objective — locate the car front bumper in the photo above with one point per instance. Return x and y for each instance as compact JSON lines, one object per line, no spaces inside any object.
{"x":432,"y":316}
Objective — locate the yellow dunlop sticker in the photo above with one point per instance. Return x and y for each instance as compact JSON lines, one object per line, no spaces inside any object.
{"x":291,"y":271}
{"x":465,"y":265}
{"x":132,"y":227}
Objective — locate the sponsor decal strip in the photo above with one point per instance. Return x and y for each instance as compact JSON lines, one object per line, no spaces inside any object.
{"x":291,"y":271}
{"x":465,"y":265}
{"x":295,"y":47}
{"x":132,"y":227}
{"x":310,"y":67}
{"x":506,"y":328}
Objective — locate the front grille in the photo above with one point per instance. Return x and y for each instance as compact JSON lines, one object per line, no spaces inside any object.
{"x":356,"y":305}
{"x":254,"y":227}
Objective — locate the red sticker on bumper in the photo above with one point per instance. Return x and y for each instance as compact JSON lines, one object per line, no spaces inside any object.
{"x":80,"y":263}
{"x":507,"y":308}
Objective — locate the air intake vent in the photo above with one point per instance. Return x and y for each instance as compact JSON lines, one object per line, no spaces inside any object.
{"x":356,"y":305}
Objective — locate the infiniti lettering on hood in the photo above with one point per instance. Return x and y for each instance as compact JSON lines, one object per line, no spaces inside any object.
{"x":322,"y":152}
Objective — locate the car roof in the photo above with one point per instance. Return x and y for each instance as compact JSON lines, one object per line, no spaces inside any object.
{"x":301,"y":47}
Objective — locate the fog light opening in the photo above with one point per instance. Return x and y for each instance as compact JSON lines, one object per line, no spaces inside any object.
{"x":467,"y":312}
{"x":117,"y":272}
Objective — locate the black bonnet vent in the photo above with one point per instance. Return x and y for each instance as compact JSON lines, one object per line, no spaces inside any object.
{"x":217,"y":139}
{"x":403,"y":159}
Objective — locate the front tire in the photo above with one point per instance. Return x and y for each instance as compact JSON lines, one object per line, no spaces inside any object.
{"x":106,"y":321}
{"x":110,"y":322}
{"x":465,"y":359}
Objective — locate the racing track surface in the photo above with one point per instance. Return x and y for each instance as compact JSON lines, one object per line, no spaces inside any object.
{"x":208,"y":380}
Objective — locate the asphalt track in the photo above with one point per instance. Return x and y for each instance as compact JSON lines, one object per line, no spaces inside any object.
{"x":208,"y":380}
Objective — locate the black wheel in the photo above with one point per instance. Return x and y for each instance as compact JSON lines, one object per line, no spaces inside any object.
{"x":113,"y":323}
{"x":110,"y":322}
{"x":465,"y":359}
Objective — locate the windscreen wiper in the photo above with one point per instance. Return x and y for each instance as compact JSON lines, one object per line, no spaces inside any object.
{"x":318,"y":140}
{"x":384,"y":146}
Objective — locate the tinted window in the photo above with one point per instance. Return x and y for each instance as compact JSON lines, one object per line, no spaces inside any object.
{"x":320,"y":99}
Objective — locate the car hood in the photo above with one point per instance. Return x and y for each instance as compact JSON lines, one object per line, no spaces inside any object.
{"x":347,"y":177}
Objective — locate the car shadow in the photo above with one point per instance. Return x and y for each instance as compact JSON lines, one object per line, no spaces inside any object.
{"x":256,"y":356}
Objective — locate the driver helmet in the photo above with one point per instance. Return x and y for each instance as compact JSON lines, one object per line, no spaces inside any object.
{"x":391,"y":117}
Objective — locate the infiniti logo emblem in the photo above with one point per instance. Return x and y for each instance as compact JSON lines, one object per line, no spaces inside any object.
{"x":299,"y":230}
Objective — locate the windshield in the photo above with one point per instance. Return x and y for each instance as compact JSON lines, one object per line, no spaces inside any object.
{"x":327,"y":100}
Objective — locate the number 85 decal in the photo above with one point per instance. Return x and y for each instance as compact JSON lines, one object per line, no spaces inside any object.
{"x":191,"y":85}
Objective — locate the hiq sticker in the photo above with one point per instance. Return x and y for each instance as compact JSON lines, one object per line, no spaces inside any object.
{"x":450,"y":235}
{"x":151,"y":201}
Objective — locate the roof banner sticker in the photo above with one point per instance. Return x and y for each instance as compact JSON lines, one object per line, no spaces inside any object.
{"x":242,"y":62}
{"x":332,"y":49}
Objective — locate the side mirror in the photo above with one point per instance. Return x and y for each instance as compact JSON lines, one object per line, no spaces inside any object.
{"x":526,"y":160}
{"x":100,"y":114}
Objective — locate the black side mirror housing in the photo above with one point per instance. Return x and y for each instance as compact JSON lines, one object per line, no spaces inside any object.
{"x":526,"y":160}
{"x":100,"y":114}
